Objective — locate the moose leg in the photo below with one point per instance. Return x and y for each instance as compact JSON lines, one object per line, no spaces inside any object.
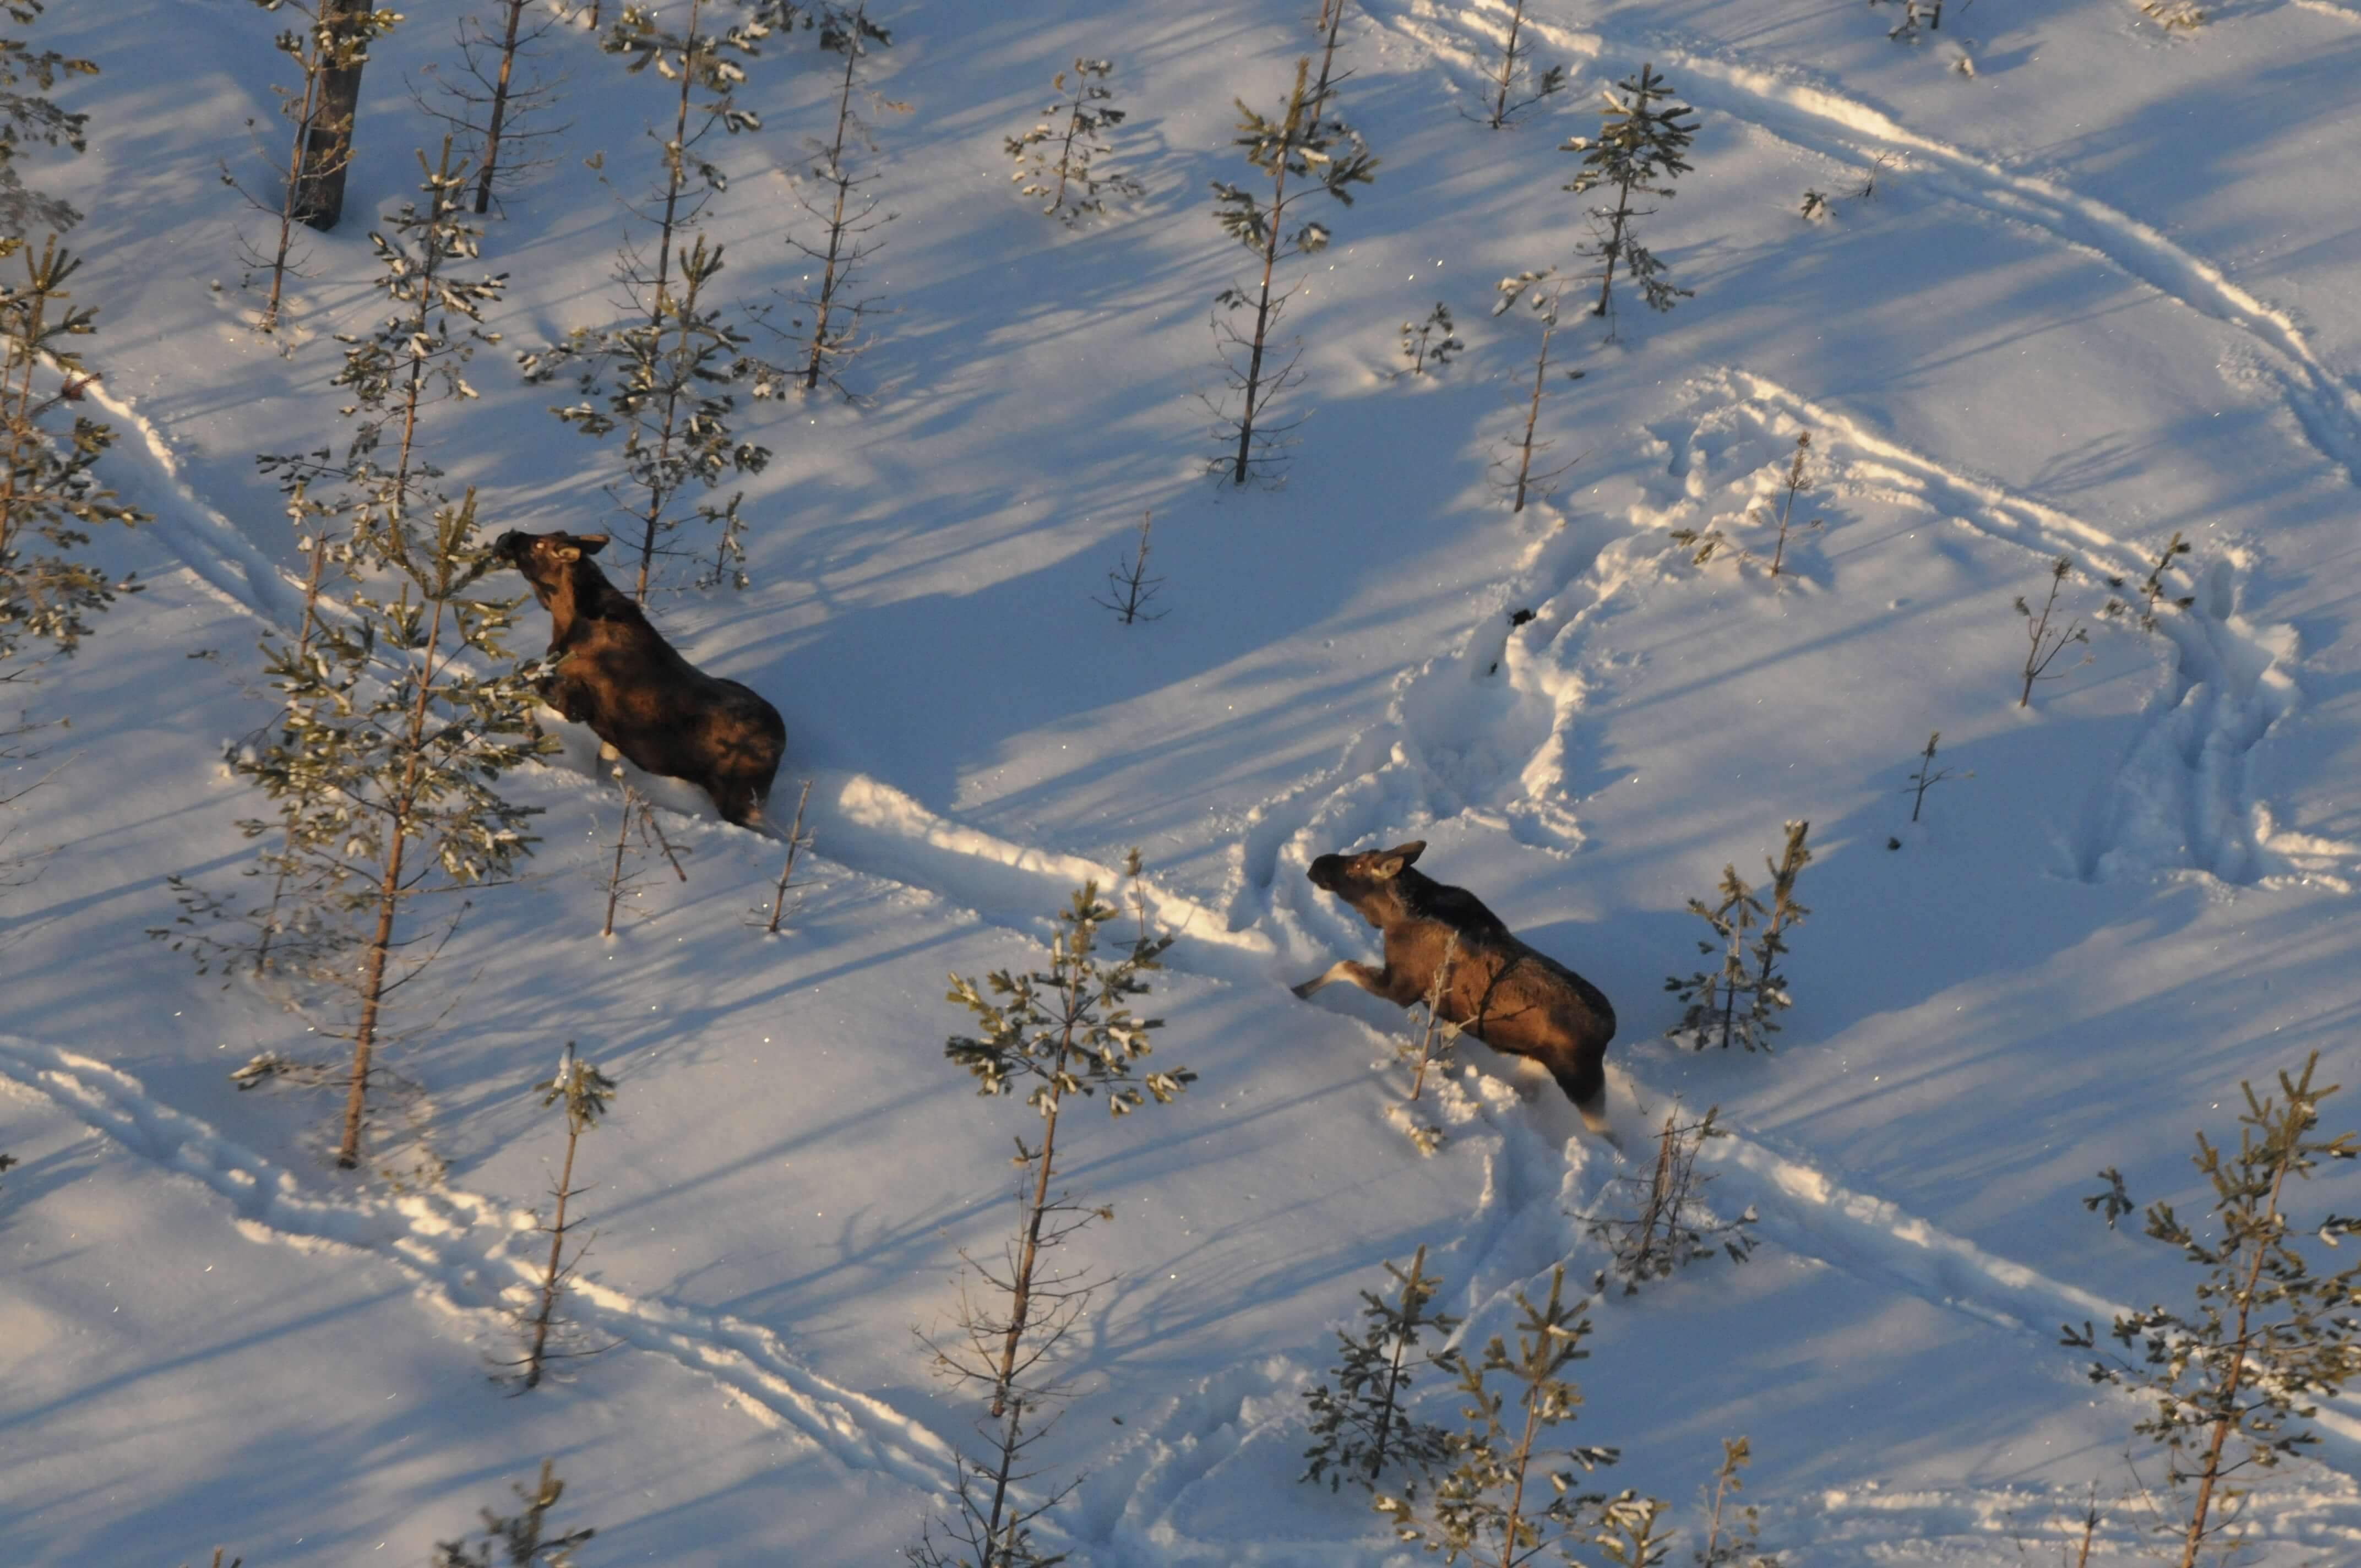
{"x":1373,"y":981}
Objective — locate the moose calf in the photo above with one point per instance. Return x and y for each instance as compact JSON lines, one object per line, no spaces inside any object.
{"x":616,"y":674}
{"x":1517,"y":1001}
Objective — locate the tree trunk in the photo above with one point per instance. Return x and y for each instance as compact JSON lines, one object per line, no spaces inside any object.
{"x":328,"y":135}
{"x":499,"y":112}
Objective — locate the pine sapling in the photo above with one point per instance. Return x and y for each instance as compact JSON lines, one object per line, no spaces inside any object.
{"x":1430,"y":342}
{"x":50,"y":499}
{"x":638,"y":812}
{"x":1068,"y":1029}
{"x":1641,"y":148}
{"x":2233,"y":1379}
{"x":523,"y":1540}
{"x":1661,"y":1224}
{"x":1766,"y":992}
{"x":1492,"y":1505}
{"x":1714,"y":1011}
{"x":1795,"y":483}
{"x":1929,"y":775}
{"x":797,"y":839}
{"x":660,"y":372}
{"x":1512,"y":462}
{"x":496,"y":108}
{"x":2042,"y":644}
{"x":1077,"y":129}
{"x":1359,"y":1422}
{"x":1734,"y":1542}
{"x":27,"y":117}
{"x":586,"y":1093}
{"x":327,"y":51}
{"x":1515,"y":75}
{"x":1322,"y":157}
{"x":835,"y":195}
{"x":1129,"y":588}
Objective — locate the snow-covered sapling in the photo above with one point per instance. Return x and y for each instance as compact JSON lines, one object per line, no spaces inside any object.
{"x":622,"y":875}
{"x":1129,"y":588}
{"x":1430,"y":342}
{"x":1641,"y":148}
{"x":27,"y":117}
{"x":1915,"y":15}
{"x":662,"y":370}
{"x":1715,"y":1013}
{"x":835,"y":313}
{"x":50,"y":499}
{"x":1068,"y":1029}
{"x":327,"y":52}
{"x":1816,"y":206}
{"x":1735,"y":1540}
{"x":1514,"y":85}
{"x":2042,"y":644}
{"x":526,"y":1539}
{"x":393,"y":731}
{"x":1767,"y":989}
{"x":1512,"y":463}
{"x":586,"y":1093}
{"x":1929,"y":775}
{"x":2230,"y":1380}
{"x":1359,"y":1422}
{"x":797,"y":839}
{"x":1795,"y":483}
{"x":1661,"y":1223}
{"x":1057,"y":158}
{"x":1322,"y":157}
{"x":1492,"y":1505}
{"x":496,"y":108}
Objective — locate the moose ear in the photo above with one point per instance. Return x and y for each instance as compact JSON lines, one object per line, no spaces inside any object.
{"x":1409,"y":854}
{"x":591,"y":543}
{"x":568,"y":552}
{"x":1390,"y":865}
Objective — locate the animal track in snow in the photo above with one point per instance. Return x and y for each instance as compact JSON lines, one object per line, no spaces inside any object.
{"x":1826,"y":122}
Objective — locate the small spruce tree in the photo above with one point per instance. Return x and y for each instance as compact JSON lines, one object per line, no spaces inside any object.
{"x":1430,"y":342}
{"x":797,"y":839}
{"x":2043,"y":644}
{"x":2234,"y":1378}
{"x":1492,"y":1507}
{"x":1067,"y":1029}
{"x":1322,"y":157}
{"x":1641,"y":148}
{"x":51,"y":497}
{"x":1076,"y":129}
{"x":834,"y":311}
{"x":1734,"y":1541}
{"x":1512,"y":464}
{"x":661,"y":371}
{"x":27,"y":117}
{"x":523,"y":1540}
{"x":1129,"y":588}
{"x":498,"y":98}
{"x":1661,"y":1224}
{"x":1716,"y":1010}
{"x":1929,"y":775}
{"x":1514,"y":86}
{"x":587,"y":1094}
{"x":1766,"y":991}
{"x":327,"y":50}
{"x":1359,"y":1420}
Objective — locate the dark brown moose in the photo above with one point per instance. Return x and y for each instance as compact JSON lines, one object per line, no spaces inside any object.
{"x":616,"y":674}
{"x":1517,"y":1001}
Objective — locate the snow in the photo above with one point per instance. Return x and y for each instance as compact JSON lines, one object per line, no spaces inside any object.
{"x":2105,"y":290}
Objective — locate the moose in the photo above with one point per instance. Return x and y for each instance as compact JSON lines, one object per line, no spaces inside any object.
{"x":616,"y":674}
{"x":1518,"y":1001}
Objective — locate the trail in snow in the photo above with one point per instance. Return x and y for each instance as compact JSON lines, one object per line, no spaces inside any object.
{"x":473,"y":1256}
{"x":1826,"y":122}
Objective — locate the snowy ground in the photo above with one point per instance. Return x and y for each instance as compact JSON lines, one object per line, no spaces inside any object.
{"x":2106,"y":290}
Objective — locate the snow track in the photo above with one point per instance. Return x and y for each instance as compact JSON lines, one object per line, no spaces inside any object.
{"x":473,"y":1258}
{"x":1816,"y":118}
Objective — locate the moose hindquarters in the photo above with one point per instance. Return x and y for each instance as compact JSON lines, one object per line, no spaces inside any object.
{"x":746,"y":740}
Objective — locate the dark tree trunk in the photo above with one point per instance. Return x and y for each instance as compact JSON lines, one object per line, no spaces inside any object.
{"x":328,"y":140}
